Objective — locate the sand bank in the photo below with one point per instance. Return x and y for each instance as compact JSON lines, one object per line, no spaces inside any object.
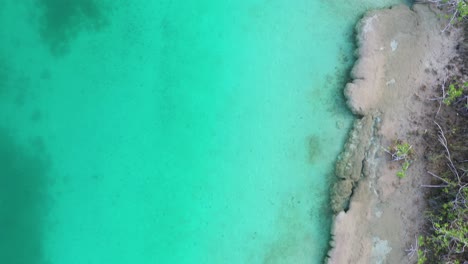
{"x":401,"y":53}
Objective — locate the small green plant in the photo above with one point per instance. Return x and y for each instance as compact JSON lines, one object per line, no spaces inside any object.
{"x":453,"y":93}
{"x":402,"y":172}
{"x":401,"y":151}
{"x":421,"y":253}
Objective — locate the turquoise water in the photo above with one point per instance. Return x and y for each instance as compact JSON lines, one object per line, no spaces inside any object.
{"x":171,"y":132}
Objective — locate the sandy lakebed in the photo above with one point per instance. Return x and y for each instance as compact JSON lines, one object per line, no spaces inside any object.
{"x":402,"y":55}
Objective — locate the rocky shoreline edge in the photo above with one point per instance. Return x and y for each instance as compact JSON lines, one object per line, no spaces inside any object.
{"x":401,"y":52}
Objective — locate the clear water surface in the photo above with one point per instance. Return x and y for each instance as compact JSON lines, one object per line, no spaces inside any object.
{"x":171,"y":131}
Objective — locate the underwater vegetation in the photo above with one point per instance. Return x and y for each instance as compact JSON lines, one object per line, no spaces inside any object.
{"x":23,"y":203}
{"x":60,"y":21}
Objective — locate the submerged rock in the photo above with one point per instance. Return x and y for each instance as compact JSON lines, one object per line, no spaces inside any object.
{"x":350,"y":164}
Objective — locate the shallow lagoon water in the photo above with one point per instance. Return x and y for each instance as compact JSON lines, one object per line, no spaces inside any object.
{"x":188,"y":132}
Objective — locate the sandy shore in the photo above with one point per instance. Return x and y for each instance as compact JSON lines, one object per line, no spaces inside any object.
{"x":402,"y":53}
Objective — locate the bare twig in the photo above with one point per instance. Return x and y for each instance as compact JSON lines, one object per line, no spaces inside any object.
{"x":443,"y":141}
{"x":444,"y":94}
{"x":450,"y":23}
{"x":413,"y":250}
{"x":440,"y":178}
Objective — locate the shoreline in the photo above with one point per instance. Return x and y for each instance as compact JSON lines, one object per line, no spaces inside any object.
{"x":401,"y":52}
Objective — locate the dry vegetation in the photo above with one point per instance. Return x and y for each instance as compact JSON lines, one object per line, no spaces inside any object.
{"x":445,"y":236}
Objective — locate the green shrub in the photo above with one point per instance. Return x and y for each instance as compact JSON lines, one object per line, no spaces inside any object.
{"x":453,"y":93}
{"x":462,"y":9}
{"x":421,"y":253}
